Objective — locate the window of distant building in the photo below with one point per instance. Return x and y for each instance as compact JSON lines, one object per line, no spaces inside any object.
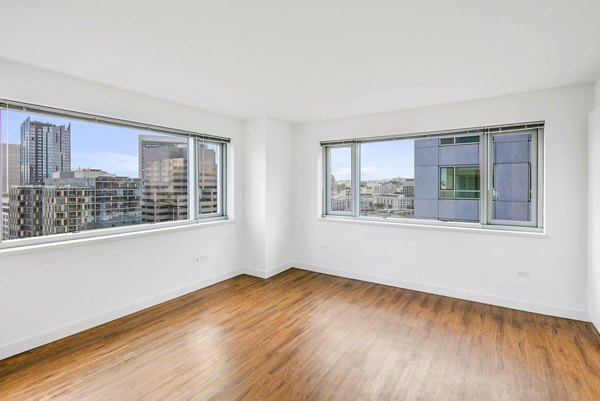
{"x":487,"y":176}
{"x":65,"y":172}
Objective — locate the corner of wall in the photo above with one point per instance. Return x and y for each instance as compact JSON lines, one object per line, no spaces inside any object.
{"x":267,"y":195}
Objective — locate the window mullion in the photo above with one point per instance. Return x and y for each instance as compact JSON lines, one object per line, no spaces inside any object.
{"x":222,"y":195}
{"x":192,"y":178}
{"x":355,"y":179}
{"x":483,"y":165}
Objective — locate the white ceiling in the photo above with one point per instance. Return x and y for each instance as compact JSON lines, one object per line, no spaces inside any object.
{"x":306,"y":60}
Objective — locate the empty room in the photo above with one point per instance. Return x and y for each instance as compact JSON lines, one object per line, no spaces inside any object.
{"x":300,"y":200}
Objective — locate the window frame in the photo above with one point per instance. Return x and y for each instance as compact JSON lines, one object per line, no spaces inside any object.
{"x":454,"y":189}
{"x":327,"y":180}
{"x":194,"y":217}
{"x":535,"y":176}
{"x":485,"y":191}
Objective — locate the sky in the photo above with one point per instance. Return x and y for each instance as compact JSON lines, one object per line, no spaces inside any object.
{"x":110,"y":148}
{"x":378,"y":160}
{"x":115,"y":149}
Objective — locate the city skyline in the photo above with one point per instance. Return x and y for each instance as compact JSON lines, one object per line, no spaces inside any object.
{"x":379,"y":161}
{"x":114,"y":148}
{"x":62,"y":190}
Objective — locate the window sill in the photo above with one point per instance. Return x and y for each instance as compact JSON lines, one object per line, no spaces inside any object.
{"x":109,"y":234}
{"x":473,"y":228}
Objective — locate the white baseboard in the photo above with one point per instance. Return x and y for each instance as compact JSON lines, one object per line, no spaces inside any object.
{"x":268,"y":273}
{"x":552,"y":310}
{"x":594,"y":307}
{"x":76,"y":327}
{"x":17,"y":347}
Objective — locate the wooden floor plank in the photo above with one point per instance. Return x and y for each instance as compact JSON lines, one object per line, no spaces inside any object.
{"x":308,"y":336}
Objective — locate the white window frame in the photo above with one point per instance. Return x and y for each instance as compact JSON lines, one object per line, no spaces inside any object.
{"x":194,"y":217}
{"x":485,"y":192}
{"x":536,"y":177}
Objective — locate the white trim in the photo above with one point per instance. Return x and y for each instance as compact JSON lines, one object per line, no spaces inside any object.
{"x":25,"y":344}
{"x":473,"y":228}
{"x":545,"y":309}
{"x":74,"y":239}
{"x":267,"y":273}
{"x":29,"y":343}
{"x":594,"y":307}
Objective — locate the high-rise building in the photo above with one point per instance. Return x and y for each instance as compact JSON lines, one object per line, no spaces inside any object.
{"x":66,"y":209}
{"x":147,"y":142}
{"x":447,"y":179}
{"x":72,"y":201}
{"x":5,"y":210}
{"x":45,"y":149}
{"x":25,"y":211}
{"x":113,"y":201}
{"x":164,"y":174}
{"x":207,"y":180}
{"x":9,"y":170}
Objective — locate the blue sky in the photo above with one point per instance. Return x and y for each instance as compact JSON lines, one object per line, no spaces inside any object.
{"x":110,"y":148}
{"x":379,"y":160}
{"x":115,"y":149}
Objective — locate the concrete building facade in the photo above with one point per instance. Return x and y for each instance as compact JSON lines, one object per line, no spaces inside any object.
{"x":25,"y":211}
{"x":66,"y":209}
{"x":165,"y":184}
{"x":10,"y":168}
{"x":5,"y":211}
{"x":447,"y":177}
{"x":208,"y":194}
{"x":512,"y":163}
{"x":114,"y":201}
{"x":147,"y":142}
{"x":431,"y":154}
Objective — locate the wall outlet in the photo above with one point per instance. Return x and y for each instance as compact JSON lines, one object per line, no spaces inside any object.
{"x":323,"y":247}
{"x":523,"y":274}
{"x":199,"y":259}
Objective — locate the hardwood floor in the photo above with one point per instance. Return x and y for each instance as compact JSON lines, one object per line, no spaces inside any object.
{"x":309,"y":336}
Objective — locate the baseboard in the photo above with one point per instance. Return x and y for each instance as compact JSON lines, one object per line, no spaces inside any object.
{"x":268,"y":273}
{"x":17,"y":347}
{"x":26,"y":344}
{"x":594,"y":307}
{"x":552,"y":310}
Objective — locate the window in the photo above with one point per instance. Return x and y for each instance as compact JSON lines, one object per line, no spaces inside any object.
{"x":440,"y":176}
{"x":459,"y":182}
{"x":64,"y":172}
{"x":459,"y":139}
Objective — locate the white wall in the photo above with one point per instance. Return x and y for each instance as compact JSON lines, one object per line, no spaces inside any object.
{"x":279,"y":194}
{"x":255,"y":184}
{"x":593,"y":214}
{"x":268,"y":169}
{"x":54,"y":291}
{"x":474,"y":265}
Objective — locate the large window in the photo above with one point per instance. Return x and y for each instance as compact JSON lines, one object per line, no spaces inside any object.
{"x":64,"y":172}
{"x":485,"y":176}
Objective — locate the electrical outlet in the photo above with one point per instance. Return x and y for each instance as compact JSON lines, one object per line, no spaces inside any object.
{"x":523,"y":274}
{"x":323,"y":247}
